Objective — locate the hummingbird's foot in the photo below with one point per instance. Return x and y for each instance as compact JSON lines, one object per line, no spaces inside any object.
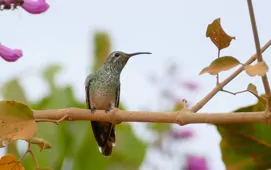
{"x":93,"y":109}
{"x":108,"y":109}
{"x":112,"y":106}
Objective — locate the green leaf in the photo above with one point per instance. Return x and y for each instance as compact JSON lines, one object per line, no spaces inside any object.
{"x":128,"y":154}
{"x":159,"y":127}
{"x":16,"y":122}
{"x":247,"y":145}
{"x":252,"y":89}
{"x":221,"y":64}
{"x":50,"y":73}
{"x":259,"y":69}
{"x":205,"y":70}
{"x":66,"y":135}
{"x":13,"y":90}
{"x":177,"y":107}
{"x":218,"y":36}
{"x":102,"y":48}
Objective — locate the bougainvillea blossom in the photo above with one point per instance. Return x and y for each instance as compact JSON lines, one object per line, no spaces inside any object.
{"x":31,"y":6}
{"x":35,"y":6}
{"x":10,"y":55}
{"x":196,"y":163}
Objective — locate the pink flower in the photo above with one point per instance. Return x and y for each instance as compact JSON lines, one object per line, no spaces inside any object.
{"x":182,"y":134}
{"x":10,"y":54}
{"x":196,"y":163}
{"x":35,"y":6}
{"x":190,"y":85}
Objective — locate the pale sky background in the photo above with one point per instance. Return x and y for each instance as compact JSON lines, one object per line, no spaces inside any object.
{"x":173,"y":30}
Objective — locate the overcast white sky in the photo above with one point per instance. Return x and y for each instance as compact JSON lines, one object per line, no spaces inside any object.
{"x":172,"y":30}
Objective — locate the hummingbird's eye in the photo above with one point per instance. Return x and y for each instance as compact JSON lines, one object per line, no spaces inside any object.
{"x":116,"y":55}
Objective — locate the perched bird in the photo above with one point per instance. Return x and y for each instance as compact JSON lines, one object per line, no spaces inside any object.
{"x":103,"y":93}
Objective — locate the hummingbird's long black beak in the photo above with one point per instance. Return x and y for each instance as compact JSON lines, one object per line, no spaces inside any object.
{"x":138,"y":53}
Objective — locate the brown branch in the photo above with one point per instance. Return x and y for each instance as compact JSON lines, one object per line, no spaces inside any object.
{"x":220,"y":86}
{"x":259,"y":55}
{"x":234,"y":93}
{"x":117,"y":116}
{"x":28,"y":150}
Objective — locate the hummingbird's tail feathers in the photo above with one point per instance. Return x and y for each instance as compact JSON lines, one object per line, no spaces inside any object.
{"x":107,"y":149}
{"x":104,"y":133}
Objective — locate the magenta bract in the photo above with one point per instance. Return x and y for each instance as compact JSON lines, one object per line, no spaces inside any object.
{"x":196,"y":163}
{"x":35,"y":6}
{"x":10,"y":55}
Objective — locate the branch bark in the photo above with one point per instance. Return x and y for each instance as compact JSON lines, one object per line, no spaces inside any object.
{"x":117,"y":116}
{"x":259,"y":54}
{"x":182,"y":117}
{"x":220,"y":86}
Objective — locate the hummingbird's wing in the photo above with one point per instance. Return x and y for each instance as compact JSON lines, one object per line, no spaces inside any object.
{"x":117,"y":100}
{"x":104,"y":132}
{"x":87,"y":87}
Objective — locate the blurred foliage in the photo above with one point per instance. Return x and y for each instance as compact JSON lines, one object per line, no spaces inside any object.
{"x":246,"y":145}
{"x":165,"y":127}
{"x":102,"y":48}
{"x":73,"y":144}
{"x":160,"y":127}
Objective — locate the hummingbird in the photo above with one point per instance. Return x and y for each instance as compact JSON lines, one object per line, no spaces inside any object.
{"x":103,"y":93}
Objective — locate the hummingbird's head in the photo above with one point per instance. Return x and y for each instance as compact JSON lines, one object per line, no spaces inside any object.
{"x":118,"y":59}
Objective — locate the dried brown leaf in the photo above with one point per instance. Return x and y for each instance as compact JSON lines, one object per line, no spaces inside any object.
{"x":9,"y":162}
{"x":218,"y":35}
{"x":16,"y":122}
{"x":258,"y":69}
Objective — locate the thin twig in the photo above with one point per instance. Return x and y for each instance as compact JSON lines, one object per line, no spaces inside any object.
{"x":259,"y":55}
{"x":53,"y":121}
{"x":217,"y":76}
{"x":25,"y":153}
{"x":202,"y":102}
{"x":185,"y":105}
{"x":28,"y":150}
{"x":34,"y":158}
{"x":261,"y":99}
{"x":234,"y":93}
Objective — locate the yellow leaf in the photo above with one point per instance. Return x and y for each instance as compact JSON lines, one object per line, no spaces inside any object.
{"x":16,"y":122}
{"x":205,"y":70}
{"x":218,"y":35}
{"x":9,"y":162}
{"x":43,"y":144}
{"x":258,"y":69}
{"x":221,"y":64}
{"x":252,"y":89}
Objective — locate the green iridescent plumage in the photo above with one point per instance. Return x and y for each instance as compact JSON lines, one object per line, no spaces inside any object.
{"x":102,"y":92}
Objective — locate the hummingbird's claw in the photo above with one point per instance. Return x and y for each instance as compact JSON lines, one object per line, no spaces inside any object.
{"x":93,"y":109}
{"x":108,"y":109}
{"x":112,"y":106}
